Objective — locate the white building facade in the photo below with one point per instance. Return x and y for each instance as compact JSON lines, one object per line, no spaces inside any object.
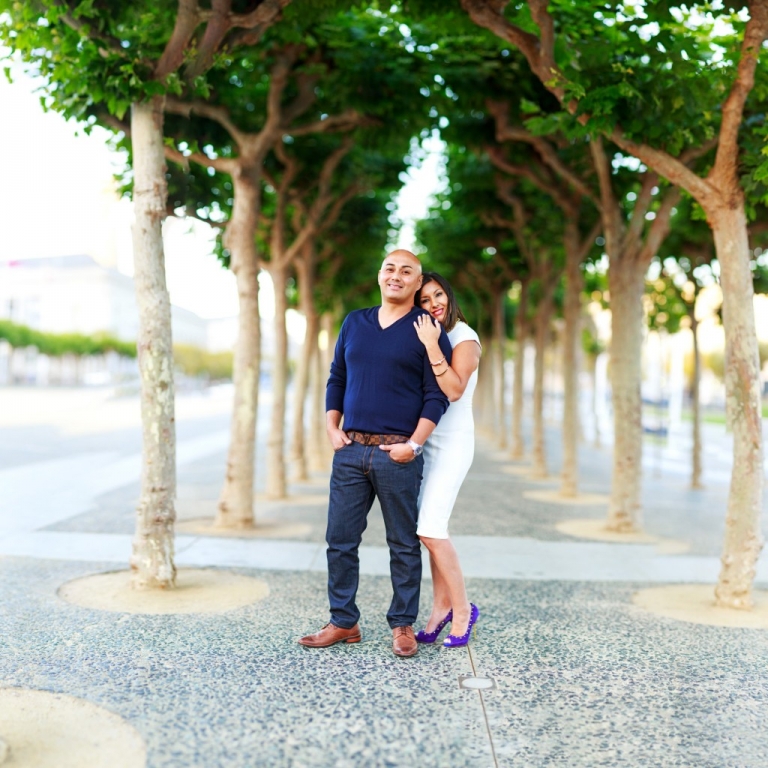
{"x":75,"y":294}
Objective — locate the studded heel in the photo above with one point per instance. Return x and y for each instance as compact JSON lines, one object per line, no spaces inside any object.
{"x":429,"y":637}
{"x":453,"y":641}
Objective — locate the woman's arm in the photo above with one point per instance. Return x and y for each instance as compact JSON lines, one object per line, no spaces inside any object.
{"x":453,"y":378}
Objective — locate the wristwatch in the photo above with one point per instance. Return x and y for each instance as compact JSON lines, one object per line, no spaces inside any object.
{"x":415,"y":447}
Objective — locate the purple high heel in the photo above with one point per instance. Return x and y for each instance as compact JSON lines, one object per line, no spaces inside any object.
{"x":452,"y":641}
{"x":430,"y":637}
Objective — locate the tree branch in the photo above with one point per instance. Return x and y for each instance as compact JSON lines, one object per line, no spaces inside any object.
{"x":191,"y":213}
{"x":669,"y":166}
{"x":613,"y":224}
{"x":219,"y":115}
{"x":506,"y":132}
{"x":225,"y":165}
{"x":219,"y":23}
{"x":756,"y":31}
{"x":187,"y":19}
{"x":305,"y":96}
{"x":277,"y":84}
{"x":633,"y":235}
{"x":548,"y":186}
{"x":586,"y":244}
{"x":490,"y":15}
{"x":333,"y":214}
{"x":281,"y":257}
{"x":342,"y":122}
{"x":257,"y":22}
{"x":660,"y":227}
{"x":326,"y":176}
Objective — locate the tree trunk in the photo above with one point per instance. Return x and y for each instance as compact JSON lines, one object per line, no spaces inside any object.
{"x":152,"y":563}
{"x":595,"y":413}
{"x":695,"y":391}
{"x":743,"y":538}
{"x":626,"y":284}
{"x":235,"y":509}
{"x":518,"y":393}
{"x":539,"y":446}
{"x":319,"y":449}
{"x":572,"y":312}
{"x":276,"y":484}
{"x":307,"y":355}
{"x":499,"y":339}
{"x":484,"y":402}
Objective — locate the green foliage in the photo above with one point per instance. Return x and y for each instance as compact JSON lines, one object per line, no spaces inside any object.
{"x":667,"y":305}
{"x":195,"y":361}
{"x":353,"y":250}
{"x":191,"y":360}
{"x":463,"y":239}
{"x":59,"y":344}
{"x":591,"y":344}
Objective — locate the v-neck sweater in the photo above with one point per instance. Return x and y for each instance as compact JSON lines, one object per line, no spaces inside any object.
{"x":381,"y":378}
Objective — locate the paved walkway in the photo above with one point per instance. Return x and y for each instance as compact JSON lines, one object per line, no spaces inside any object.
{"x":578,"y":675}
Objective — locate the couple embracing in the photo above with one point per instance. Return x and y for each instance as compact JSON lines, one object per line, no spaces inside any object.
{"x":402,"y":377}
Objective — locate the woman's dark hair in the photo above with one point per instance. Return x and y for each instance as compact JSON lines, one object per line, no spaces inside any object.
{"x":453,"y":313}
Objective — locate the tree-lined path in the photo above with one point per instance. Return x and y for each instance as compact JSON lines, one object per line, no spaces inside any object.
{"x":580,"y":674}
{"x":602,"y":167}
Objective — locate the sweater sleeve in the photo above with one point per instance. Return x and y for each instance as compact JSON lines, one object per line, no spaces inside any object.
{"x":435,"y":401}
{"x":337,"y":382}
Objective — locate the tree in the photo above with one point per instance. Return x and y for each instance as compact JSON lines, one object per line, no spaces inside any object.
{"x":662,"y":103}
{"x":98,"y":62}
{"x":317,"y":78}
{"x":365,"y":167}
{"x":580,"y":230}
{"x":482,"y":261}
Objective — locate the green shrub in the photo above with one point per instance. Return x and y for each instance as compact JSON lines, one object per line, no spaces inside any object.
{"x":59,"y":344}
{"x":191,"y":360}
{"x":195,"y":361}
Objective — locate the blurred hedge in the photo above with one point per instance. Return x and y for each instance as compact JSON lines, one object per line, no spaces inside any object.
{"x":59,"y":344}
{"x":190,"y":360}
{"x":198,"y":362}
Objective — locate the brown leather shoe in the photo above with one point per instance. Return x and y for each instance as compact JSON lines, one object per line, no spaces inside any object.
{"x":404,"y":641}
{"x":330,"y":634}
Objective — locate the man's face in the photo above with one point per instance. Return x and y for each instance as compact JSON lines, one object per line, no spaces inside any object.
{"x":400,"y":278}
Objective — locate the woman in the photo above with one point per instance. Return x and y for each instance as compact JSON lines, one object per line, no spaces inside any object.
{"x":447,"y":457}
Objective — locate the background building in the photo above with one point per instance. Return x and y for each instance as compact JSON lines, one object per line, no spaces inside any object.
{"x":76,"y":294}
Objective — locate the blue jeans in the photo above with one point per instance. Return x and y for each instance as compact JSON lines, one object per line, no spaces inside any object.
{"x":361,"y":473}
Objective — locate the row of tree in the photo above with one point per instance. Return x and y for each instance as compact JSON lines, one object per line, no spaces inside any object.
{"x":572,"y":133}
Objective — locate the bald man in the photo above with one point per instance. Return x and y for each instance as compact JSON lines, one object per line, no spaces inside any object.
{"x":382,"y":383}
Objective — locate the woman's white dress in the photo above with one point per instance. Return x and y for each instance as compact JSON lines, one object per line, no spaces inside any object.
{"x":448,"y":453}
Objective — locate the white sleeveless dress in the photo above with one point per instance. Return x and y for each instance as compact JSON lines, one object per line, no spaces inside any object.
{"x":448,"y":453}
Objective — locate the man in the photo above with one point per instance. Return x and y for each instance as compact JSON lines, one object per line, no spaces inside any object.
{"x":383,"y":384}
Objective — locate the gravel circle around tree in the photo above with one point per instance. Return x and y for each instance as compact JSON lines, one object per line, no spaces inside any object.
{"x":198,"y":590}
{"x":53,"y":730}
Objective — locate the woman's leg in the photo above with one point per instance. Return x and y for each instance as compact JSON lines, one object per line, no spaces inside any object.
{"x":441,"y":597}
{"x":447,"y":584}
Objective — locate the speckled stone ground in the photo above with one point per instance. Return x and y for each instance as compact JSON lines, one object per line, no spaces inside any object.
{"x":582,"y":677}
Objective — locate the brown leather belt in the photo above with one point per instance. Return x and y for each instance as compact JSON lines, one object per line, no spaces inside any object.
{"x":366,"y":438}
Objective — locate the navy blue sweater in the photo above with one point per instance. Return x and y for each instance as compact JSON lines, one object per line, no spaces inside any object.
{"x":381,"y":378}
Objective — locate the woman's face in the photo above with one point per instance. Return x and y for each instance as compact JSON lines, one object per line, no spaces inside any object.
{"x":434,"y":300}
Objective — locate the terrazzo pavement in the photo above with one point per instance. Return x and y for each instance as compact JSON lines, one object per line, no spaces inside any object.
{"x":582,"y":677}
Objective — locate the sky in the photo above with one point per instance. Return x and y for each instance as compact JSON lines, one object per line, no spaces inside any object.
{"x":57,"y":198}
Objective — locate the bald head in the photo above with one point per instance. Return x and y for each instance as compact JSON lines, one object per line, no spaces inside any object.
{"x":399,"y":278}
{"x":399,"y":254}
